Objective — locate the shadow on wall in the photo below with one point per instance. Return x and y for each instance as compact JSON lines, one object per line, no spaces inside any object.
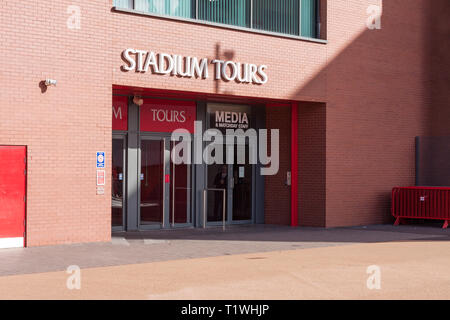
{"x":384,"y":88}
{"x":434,"y":150}
{"x":438,"y":47}
{"x":222,"y":55}
{"x":433,"y":161}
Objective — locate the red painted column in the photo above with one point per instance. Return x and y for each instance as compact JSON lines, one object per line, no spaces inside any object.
{"x":294,"y":164}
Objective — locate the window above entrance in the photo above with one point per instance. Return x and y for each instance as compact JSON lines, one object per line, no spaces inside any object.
{"x":298,"y":18}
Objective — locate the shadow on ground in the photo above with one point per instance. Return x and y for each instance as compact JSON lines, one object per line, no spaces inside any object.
{"x":157,"y":246}
{"x":270,"y":233}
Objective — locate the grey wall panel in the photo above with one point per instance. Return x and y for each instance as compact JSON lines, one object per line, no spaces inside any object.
{"x":133,"y":168}
{"x":259,"y":190}
{"x":200,"y":170}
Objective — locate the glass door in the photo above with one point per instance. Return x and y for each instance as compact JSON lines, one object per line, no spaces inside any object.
{"x":165,"y":188}
{"x":242,"y":186}
{"x":229,"y":193}
{"x":230,"y":187}
{"x":217,"y":191}
{"x":152,"y":183}
{"x":180,"y":191}
{"x":118,"y":183}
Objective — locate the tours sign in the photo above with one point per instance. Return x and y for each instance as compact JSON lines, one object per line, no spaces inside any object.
{"x":190,"y":67}
{"x":160,"y":115}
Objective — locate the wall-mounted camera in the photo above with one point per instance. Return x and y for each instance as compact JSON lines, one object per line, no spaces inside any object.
{"x":50,"y":82}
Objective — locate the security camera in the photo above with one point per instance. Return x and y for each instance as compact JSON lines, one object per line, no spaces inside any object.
{"x":50,"y":82}
{"x":137,"y":100}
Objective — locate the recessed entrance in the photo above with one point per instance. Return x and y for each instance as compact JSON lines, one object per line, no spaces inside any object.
{"x":150,"y":191}
{"x":230,"y":185}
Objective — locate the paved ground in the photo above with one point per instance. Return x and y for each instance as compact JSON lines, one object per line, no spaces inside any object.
{"x":245,"y":262}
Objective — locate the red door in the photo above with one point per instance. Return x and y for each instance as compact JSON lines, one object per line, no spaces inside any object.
{"x":12,"y":196}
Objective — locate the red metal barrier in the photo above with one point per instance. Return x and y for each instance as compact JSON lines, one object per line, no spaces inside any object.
{"x":421,"y":203}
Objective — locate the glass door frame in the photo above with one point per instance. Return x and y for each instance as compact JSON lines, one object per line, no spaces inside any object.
{"x":229,"y":197}
{"x":229,"y":205}
{"x":166,"y":186}
{"x":230,"y":182}
{"x":253,"y":192}
{"x":167,"y":223}
{"x":123,"y":137}
{"x":192,"y":177}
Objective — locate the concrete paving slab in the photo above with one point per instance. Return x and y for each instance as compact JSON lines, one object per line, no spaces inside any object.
{"x":408,"y":270}
{"x":118,"y":241}
{"x":197,"y":243}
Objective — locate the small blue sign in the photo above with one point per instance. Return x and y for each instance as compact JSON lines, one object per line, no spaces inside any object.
{"x":100,"y":159}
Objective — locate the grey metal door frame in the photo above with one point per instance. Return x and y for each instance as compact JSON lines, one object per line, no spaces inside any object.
{"x":230,"y":182}
{"x":122,"y":136}
{"x":166,"y":186}
{"x":253,"y":197}
{"x":167,"y":214}
{"x":229,"y":199}
{"x":198,"y":171}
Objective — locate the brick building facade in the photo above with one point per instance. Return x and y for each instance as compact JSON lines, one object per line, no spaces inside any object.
{"x":361,"y":97}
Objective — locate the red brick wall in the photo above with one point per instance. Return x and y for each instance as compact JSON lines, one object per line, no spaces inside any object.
{"x":376,"y":85}
{"x":377,"y":103}
{"x":281,"y":55}
{"x":434,"y":151}
{"x":312,"y":164}
{"x":66,"y":125}
{"x":277,"y":195}
{"x":323,"y":19}
{"x":438,"y":48}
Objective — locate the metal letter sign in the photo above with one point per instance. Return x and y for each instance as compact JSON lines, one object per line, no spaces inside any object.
{"x":197,"y":68}
{"x":101,"y":159}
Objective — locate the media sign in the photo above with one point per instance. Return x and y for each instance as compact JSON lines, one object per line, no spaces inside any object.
{"x":234,"y":117}
{"x":231,"y":120}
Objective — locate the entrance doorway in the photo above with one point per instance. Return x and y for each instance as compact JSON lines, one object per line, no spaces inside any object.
{"x":165,"y":195}
{"x":149,"y":191}
{"x":232,"y":185}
